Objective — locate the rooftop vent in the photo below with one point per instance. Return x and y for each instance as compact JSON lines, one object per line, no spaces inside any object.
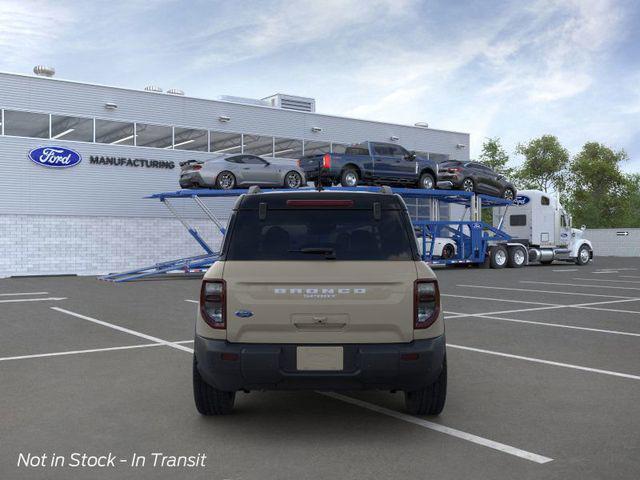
{"x":153,"y":88}
{"x":291,"y":102}
{"x":44,"y":71}
{"x":175,"y":91}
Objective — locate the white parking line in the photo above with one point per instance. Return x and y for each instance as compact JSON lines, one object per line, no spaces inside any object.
{"x":605,"y":280}
{"x":26,"y":293}
{"x":546,"y":362}
{"x":91,"y":350}
{"x":48,"y":299}
{"x":191,"y":301}
{"x":546,"y":291}
{"x":566,"y":270}
{"x":469,"y":437}
{"x":629,"y":276}
{"x":498,"y":300}
{"x":545,"y":324}
{"x":125,"y":330}
{"x":581,"y":285}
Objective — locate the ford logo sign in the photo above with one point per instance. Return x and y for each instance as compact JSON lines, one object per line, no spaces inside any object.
{"x":55,"y":157}
{"x":521,"y":200}
{"x":244,"y":314}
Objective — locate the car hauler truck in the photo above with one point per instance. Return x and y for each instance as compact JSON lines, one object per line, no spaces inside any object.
{"x":540,"y":228}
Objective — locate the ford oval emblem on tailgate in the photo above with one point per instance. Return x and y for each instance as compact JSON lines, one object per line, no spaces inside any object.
{"x":55,"y":157}
{"x":244,"y":313}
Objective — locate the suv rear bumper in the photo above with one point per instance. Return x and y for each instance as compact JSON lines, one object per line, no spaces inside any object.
{"x":273,"y":366}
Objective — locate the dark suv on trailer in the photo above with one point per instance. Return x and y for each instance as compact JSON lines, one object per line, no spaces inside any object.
{"x":474,"y":177}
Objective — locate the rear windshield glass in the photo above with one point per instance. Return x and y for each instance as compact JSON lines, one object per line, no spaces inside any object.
{"x":319,"y":235}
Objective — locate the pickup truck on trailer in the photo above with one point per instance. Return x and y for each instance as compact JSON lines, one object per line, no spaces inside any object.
{"x":372,"y":163}
{"x":319,"y":291}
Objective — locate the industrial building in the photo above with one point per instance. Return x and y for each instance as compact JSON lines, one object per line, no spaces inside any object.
{"x":91,"y":217}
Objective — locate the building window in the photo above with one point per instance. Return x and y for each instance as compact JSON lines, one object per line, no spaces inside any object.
{"x":115,"y":133}
{"x":338,"y":147}
{"x":225,"y":142}
{"x":257,"y":145}
{"x":71,"y":128}
{"x":190,"y":139}
{"x":287,"y":148}
{"x":316,"y":148}
{"x":26,"y":124}
{"x":157,"y":136}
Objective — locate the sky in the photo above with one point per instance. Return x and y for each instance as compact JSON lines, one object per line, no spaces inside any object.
{"x":509,"y":69}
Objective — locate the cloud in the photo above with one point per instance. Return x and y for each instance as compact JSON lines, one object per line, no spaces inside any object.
{"x":30,"y":29}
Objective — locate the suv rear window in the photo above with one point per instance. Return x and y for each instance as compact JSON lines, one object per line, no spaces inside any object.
{"x":349,"y":234}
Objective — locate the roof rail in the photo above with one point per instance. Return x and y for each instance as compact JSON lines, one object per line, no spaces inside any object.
{"x":386,"y":189}
{"x":253,"y":189}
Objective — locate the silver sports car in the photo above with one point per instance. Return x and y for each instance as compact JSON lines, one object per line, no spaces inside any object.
{"x":241,"y":170}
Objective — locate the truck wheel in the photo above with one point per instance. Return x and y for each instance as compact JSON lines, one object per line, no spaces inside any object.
{"x":293,"y":180}
{"x":499,"y":257}
{"x":508,"y":194}
{"x":349,"y":178}
{"x":209,"y":400}
{"x":430,"y":400}
{"x":426,"y":181}
{"x":584,"y":255}
{"x":517,"y":257}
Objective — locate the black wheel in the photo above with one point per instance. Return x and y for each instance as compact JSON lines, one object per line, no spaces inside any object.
{"x":430,"y":400}
{"x":293,"y":180}
{"x":508,"y":194}
{"x":499,"y":257}
{"x":225,"y":180}
{"x":349,"y":178}
{"x":468,"y":185}
{"x":427,"y":181}
{"x":517,"y":257}
{"x":448,"y":251}
{"x":209,"y":400}
{"x":584,"y":255}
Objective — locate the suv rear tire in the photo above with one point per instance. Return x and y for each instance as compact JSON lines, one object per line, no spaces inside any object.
{"x":209,"y":400}
{"x":431,"y":399}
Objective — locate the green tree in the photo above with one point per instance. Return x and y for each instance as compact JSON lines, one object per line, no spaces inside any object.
{"x":494,"y":156}
{"x":600,"y":194}
{"x":545,"y":164}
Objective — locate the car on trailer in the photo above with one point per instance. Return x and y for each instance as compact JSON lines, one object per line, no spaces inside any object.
{"x":319,"y":290}
{"x":372,"y":163}
{"x":474,"y":177}
{"x":227,"y":172}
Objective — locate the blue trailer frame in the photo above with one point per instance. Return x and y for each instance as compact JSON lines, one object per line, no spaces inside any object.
{"x":472,"y":237}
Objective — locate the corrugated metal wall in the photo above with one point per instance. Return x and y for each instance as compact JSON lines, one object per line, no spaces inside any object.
{"x":614,"y":242}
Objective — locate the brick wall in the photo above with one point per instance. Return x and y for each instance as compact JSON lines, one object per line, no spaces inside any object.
{"x":611,"y":242}
{"x":49,"y":245}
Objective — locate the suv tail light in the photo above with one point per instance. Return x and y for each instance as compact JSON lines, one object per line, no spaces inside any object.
{"x":213,"y":303}
{"x":326,"y":160}
{"x":196,"y":167}
{"x":299,"y":162}
{"x":426,"y":303}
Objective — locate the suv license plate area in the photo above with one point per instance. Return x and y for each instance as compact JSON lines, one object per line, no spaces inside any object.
{"x":320,"y":358}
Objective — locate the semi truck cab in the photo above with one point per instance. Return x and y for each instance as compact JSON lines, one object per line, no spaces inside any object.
{"x":538,"y":221}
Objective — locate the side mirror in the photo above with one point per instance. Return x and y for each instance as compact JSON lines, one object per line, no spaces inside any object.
{"x":410,"y":156}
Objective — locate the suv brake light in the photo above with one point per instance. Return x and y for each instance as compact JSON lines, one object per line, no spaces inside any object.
{"x":426,"y":303}
{"x":326,"y":160}
{"x":213,"y":303}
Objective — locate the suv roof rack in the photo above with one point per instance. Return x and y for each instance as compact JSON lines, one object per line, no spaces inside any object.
{"x":386,"y":189}
{"x":253,"y":189}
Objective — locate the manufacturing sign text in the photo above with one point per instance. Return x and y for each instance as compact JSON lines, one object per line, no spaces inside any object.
{"x":55,"y":157}
{"x":130,"y":162}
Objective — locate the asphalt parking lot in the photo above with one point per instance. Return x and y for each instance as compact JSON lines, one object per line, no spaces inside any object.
{"x":544,"y":382}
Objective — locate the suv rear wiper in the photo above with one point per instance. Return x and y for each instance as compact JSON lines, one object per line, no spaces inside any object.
{"x":330,"y":253}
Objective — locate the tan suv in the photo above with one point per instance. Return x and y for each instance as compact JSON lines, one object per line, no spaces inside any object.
{"x":319,"y":291}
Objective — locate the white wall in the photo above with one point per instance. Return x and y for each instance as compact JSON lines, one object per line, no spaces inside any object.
{"x":611,"y":242}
